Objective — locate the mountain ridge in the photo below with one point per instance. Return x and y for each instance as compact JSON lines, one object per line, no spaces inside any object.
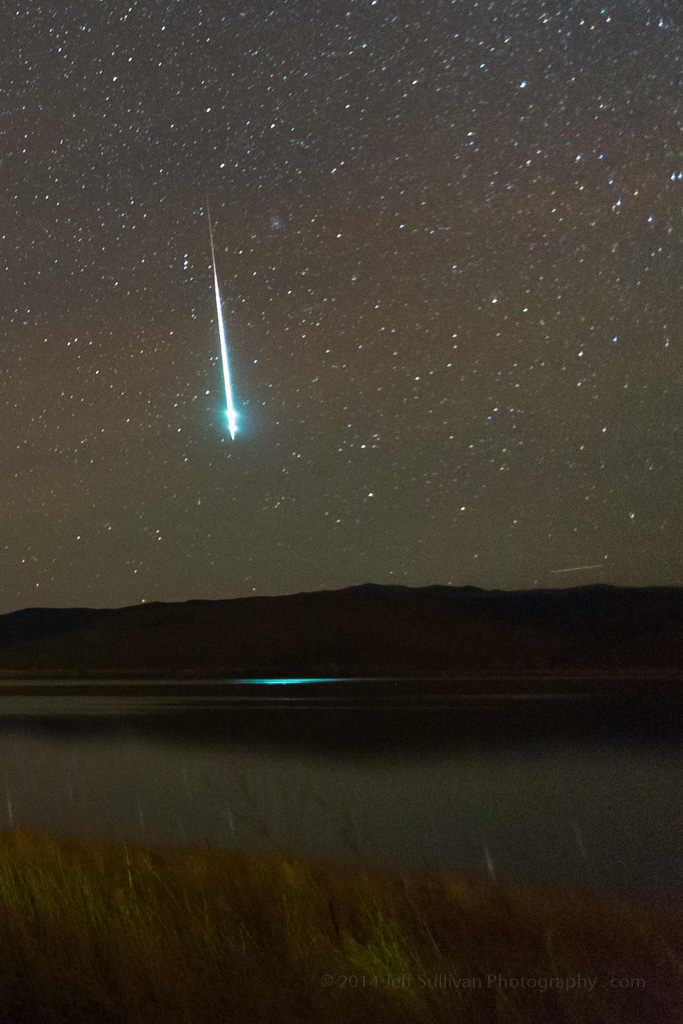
{"x":369,"y":629}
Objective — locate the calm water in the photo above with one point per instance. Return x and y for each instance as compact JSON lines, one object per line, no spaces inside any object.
{"x":561,"y":791}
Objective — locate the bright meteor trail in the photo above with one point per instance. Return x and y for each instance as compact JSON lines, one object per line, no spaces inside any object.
{"x":232,"y":415}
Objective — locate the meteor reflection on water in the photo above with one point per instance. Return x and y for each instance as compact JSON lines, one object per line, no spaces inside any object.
{"x":232,"y":415}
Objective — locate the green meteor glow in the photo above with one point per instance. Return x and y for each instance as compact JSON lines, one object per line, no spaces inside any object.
{"x":231,"y":413}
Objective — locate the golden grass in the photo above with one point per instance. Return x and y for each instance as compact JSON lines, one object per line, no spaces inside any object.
{"x":91,"y":931}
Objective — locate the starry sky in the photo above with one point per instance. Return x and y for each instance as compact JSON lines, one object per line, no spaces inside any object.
{"x":448,"y":241}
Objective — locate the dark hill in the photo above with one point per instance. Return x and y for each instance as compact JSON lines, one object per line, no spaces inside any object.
{"x":368,"y":630}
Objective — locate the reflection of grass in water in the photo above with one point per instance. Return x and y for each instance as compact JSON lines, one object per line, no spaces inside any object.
{"x":95,"y":931}
{"x":259,"y":826}
{"x":295,"y":804}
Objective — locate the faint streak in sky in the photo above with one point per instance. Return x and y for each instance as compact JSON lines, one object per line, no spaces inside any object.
{"x":579,"y":568}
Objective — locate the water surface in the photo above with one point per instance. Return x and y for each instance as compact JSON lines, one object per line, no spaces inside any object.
{"x":564,"y":789}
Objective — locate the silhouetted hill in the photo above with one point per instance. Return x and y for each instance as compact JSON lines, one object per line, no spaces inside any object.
{"x":368,"y":630}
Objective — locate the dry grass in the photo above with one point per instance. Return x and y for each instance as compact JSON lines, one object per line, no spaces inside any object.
{"x":94,"y":931}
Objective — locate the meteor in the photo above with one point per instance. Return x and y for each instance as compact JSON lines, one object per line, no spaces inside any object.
{"x":232,"y":415}
{"x":579,"y":568}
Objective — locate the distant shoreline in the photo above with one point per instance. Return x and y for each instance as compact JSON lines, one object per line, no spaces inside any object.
{"x":230,"y":676}
{"x":589,"y":684}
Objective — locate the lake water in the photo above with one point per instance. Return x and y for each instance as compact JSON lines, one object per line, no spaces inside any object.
{"x":562,"y":789}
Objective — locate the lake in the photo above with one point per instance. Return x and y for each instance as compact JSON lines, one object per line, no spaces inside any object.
{"x":567,"y":787}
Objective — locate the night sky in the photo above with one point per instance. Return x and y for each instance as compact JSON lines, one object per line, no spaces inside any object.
{"x":448,"y":241}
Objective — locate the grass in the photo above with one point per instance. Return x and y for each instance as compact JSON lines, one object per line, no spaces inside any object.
{"x":114,"y":933}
